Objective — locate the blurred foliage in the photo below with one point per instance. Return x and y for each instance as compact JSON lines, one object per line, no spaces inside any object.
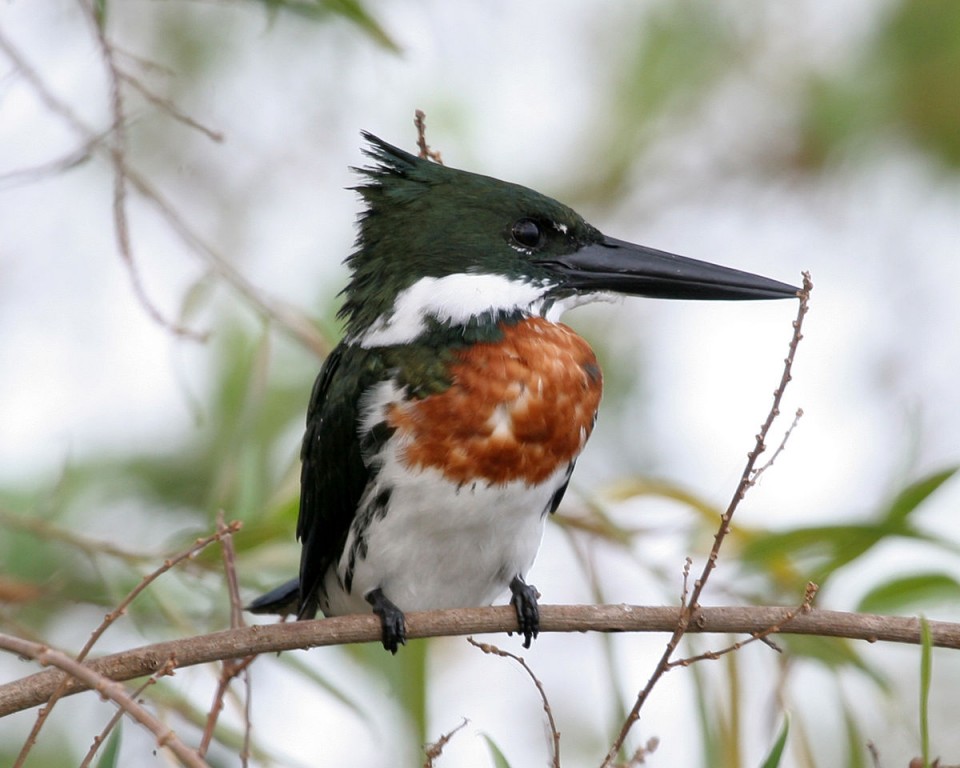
{"x":678,"y":51}
{"x":905,"y":81}
{"x":822,"y":551}
{"x":74,"y":549}
{"x":497,"y":758}
{"x":352,"y":11}
{"x":776,"y":751}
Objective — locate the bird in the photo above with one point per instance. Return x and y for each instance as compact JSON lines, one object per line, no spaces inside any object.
{"x":443,"y":429}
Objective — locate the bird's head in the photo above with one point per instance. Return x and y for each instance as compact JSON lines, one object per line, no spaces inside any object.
{"x":442,"y":245}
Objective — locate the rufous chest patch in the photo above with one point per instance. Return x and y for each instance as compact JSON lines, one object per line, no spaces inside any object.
{"x":517,"y":409}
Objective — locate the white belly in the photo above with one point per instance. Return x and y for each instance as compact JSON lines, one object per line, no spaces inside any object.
{"x":437,"y":545}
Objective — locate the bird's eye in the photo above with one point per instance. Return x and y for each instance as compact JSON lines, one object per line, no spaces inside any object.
{"x":527,"y":233}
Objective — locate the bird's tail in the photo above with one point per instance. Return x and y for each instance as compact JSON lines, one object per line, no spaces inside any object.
{"x":282,"y":601}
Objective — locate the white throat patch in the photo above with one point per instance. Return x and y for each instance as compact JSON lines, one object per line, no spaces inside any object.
{"x":452,"y":299}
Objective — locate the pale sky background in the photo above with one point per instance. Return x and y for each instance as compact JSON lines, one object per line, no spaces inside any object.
{"x":507,"y":88}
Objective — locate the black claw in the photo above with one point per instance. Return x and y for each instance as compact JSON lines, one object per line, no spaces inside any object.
{"x":524,"y":600}
{"x":391,"y":620}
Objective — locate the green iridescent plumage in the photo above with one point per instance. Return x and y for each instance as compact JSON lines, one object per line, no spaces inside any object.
{"x":423,"y":219}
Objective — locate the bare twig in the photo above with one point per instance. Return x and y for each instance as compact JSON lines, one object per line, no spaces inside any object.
{"x":46,"y":96}
{"x":112,"y":723}
{"x":290,"y":320}
{"x":117,"y":150}
{"x":147,"y":65}
{"x":420,"y":121}
{"x":746,"y":481}
{"x":107,"y":688}
{"x":783,"y":444}
{"x":555,"y":734}
{"x":232,"y":668}
{"x":273,"y":638}
{"x":639,"y":757}
{"x":287,"y":317}
{"x":54,"y":167}
{"x":168,"y":106}
{"x":188,"y":554}
{"x":46,"y":530}
{"x":433,"y":751}
{"x":763,"y":634}
{"x":685,"y":591}
{"x":110,"y":618}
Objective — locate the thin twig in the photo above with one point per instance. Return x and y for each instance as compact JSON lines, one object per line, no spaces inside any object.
{"x":746,"y":480}
{"x":147,"y":65}
{"x":109,"y":619}
{"x":433,"y":751}
{"x":56,"y":167}
{"x":555,"y":734}
{"x":117,"y":151}
{"x":107,"y":688}
{"x":290,"y":320}
{"x":232,"y":668}
{"x":420,"y":122}
{"x":100,"y":738}
{"x":169,"y":107}
{"x":47,"y":531}
{"x":783,"y":444}
{"x":685,"y":591}
{"x":639,"y":757}
{"x":804,"y":607}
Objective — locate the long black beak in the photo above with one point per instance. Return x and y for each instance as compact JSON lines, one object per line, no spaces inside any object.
{"x":621,"y":267}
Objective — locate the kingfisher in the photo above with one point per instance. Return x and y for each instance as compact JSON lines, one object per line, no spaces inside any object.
{"x":443,"y":429}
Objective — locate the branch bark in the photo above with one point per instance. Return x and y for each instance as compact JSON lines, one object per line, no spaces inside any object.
{"x":271,"y":638}
{"x":109,"y":689}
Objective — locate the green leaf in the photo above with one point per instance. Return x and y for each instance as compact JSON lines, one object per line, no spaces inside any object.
{"x":831,"y":546}
{"x":915,"y":494}
{"x":100,"y":12}
{"x":776,"y":752}
{"x":899,"y":593}
{"x":350,"y":10}
{"x":497,"y":756}
{"x":926,"y":664}
{"x":111,"y":752}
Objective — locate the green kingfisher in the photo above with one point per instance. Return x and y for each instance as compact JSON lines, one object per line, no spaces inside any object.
{"x":443,"y":429}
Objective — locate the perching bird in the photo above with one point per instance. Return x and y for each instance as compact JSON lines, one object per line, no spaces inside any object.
{"x":445,"y":426}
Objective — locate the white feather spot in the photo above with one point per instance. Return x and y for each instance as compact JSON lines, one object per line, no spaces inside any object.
{"x":501,"y":422}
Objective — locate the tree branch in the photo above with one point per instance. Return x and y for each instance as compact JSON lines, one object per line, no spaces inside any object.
{"x":272,"y":638}
{"x":108,"y":689}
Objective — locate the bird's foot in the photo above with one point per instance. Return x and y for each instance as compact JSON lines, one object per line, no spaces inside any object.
{"x":524,"y":600}
{"x":391,"y":620}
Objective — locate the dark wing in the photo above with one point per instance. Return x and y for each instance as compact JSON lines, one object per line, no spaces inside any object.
{"x":558,"y":495}
{"x":332,"y":474}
